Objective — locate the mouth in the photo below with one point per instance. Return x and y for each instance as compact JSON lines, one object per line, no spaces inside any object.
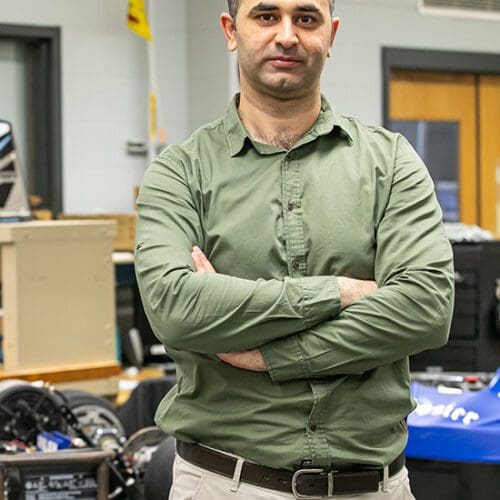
{"x":284,"y":62}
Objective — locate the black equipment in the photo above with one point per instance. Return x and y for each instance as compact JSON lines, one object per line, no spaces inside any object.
{"x":474,"y":343}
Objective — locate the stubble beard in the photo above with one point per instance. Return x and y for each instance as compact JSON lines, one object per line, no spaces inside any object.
{"x":265,"y":81}
{"x":283,"y":87}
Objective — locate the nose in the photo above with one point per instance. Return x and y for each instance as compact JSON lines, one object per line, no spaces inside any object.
{"x":286,"y":35}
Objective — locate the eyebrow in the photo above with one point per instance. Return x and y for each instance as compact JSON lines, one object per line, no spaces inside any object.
{"x":308,"y":8}
{"x":268,"y":7}
{"x":263,"y":7}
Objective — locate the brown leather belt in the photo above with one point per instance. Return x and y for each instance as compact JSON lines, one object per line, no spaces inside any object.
{"x":303,"y":483}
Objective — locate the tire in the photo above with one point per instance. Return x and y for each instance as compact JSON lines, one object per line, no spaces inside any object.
{"x":25,"y":410}
{"x":94,"y":413}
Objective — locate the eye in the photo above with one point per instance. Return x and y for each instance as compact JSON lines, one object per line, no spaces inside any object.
{"x":306,"y":20}
{"x":266,"y":18}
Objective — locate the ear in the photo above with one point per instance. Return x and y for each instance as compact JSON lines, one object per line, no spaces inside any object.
{"x":335,"y":27}
{"x":228,"y":27}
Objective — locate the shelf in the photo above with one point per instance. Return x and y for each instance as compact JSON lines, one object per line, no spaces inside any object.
{"x":69,"y":374}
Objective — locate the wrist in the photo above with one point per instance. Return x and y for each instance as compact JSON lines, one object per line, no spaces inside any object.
{"x":352,"y":290}
{"x":345,"y":289}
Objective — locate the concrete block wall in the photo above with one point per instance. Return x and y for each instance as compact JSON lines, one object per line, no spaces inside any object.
{"x":104,"y":91}
{"x":209,"y":62}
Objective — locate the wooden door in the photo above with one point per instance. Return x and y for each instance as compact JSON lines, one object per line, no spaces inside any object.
{"x":444,"y":97}
{"x":489,"y":137}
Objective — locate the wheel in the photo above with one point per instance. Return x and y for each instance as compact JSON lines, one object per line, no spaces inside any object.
{"x":98,"y":418}
{"x":26,"y":410}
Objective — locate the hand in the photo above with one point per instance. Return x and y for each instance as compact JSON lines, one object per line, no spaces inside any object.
{"x":201,"y":262}
{"x":247,"y":360}
{"x":352,"y":290}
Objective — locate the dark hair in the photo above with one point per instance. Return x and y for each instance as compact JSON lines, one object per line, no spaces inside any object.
{"x":234,"y":4}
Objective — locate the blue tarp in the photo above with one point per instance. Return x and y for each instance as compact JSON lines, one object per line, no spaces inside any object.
{"x":457,"y":427}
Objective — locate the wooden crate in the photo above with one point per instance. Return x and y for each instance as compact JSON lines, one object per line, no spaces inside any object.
{"x":125,"y":227}
{"x":58,"y":295}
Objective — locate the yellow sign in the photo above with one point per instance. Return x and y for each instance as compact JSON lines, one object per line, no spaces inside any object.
{"x":137,"y":20}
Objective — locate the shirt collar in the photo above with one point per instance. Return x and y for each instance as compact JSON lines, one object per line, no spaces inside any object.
{"x":327,"y":122}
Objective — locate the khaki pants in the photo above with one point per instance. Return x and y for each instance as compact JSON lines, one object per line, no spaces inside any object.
{"x":193,"y":483}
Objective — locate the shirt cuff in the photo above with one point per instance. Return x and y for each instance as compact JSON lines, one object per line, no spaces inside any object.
{"x":321,"y":298}
{"x":284,"y":359}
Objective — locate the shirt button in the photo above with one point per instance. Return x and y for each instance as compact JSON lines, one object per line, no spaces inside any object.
{"x":290,"y":206}
{"x":296,"y":265}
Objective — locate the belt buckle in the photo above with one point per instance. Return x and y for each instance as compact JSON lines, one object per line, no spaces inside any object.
{"x":299,"y":472}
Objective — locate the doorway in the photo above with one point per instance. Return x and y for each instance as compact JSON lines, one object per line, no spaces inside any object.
{"x":449,"y":109}
{"x":30,"y":99}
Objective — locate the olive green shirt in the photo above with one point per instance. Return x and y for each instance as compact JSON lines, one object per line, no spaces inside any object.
{"x":279,"y":226}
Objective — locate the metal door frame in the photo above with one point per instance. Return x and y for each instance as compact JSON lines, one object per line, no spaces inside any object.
{"x":46,"y":42}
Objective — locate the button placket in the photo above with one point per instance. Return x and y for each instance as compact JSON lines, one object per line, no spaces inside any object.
{"x":292,"y":216}
{"x":287,"y":194}
{"x":317,"y":438}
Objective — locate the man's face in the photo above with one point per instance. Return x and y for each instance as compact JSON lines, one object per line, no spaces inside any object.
{"x":282,"y":44}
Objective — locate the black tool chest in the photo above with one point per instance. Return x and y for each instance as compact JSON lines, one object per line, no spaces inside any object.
{"x":474,"y":343}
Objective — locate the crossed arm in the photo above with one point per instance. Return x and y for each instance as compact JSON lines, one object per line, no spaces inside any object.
{"x":252,"y":359}
{"x":208,"y":312}
{"x":247,"y":360}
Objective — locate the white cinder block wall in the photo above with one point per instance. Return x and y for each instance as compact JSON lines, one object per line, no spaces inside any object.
{"x":104,"y":91}
{"x":208,"y":69}
{"x":104,"y":75}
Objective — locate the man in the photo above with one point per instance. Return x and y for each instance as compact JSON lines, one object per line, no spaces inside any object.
{"x":331,"y":264}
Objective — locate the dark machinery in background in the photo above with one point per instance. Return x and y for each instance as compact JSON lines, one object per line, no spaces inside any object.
{"x":446,"y":454}
{"x":97,"y":460}
{"x":474,"y":344}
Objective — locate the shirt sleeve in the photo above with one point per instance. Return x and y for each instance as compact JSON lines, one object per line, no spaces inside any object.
{"x":211,"y":312}
{"x":412,"y":309}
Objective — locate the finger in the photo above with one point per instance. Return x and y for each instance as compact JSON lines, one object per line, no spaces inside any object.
{"x":207,"y":265}
{"x":200,"y":268}
{"x":226,"y":356}
{"x":202,"y":262}
{"x":230,"y":358}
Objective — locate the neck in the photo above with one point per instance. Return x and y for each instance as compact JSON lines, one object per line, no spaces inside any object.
{"x":275,"y":121}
